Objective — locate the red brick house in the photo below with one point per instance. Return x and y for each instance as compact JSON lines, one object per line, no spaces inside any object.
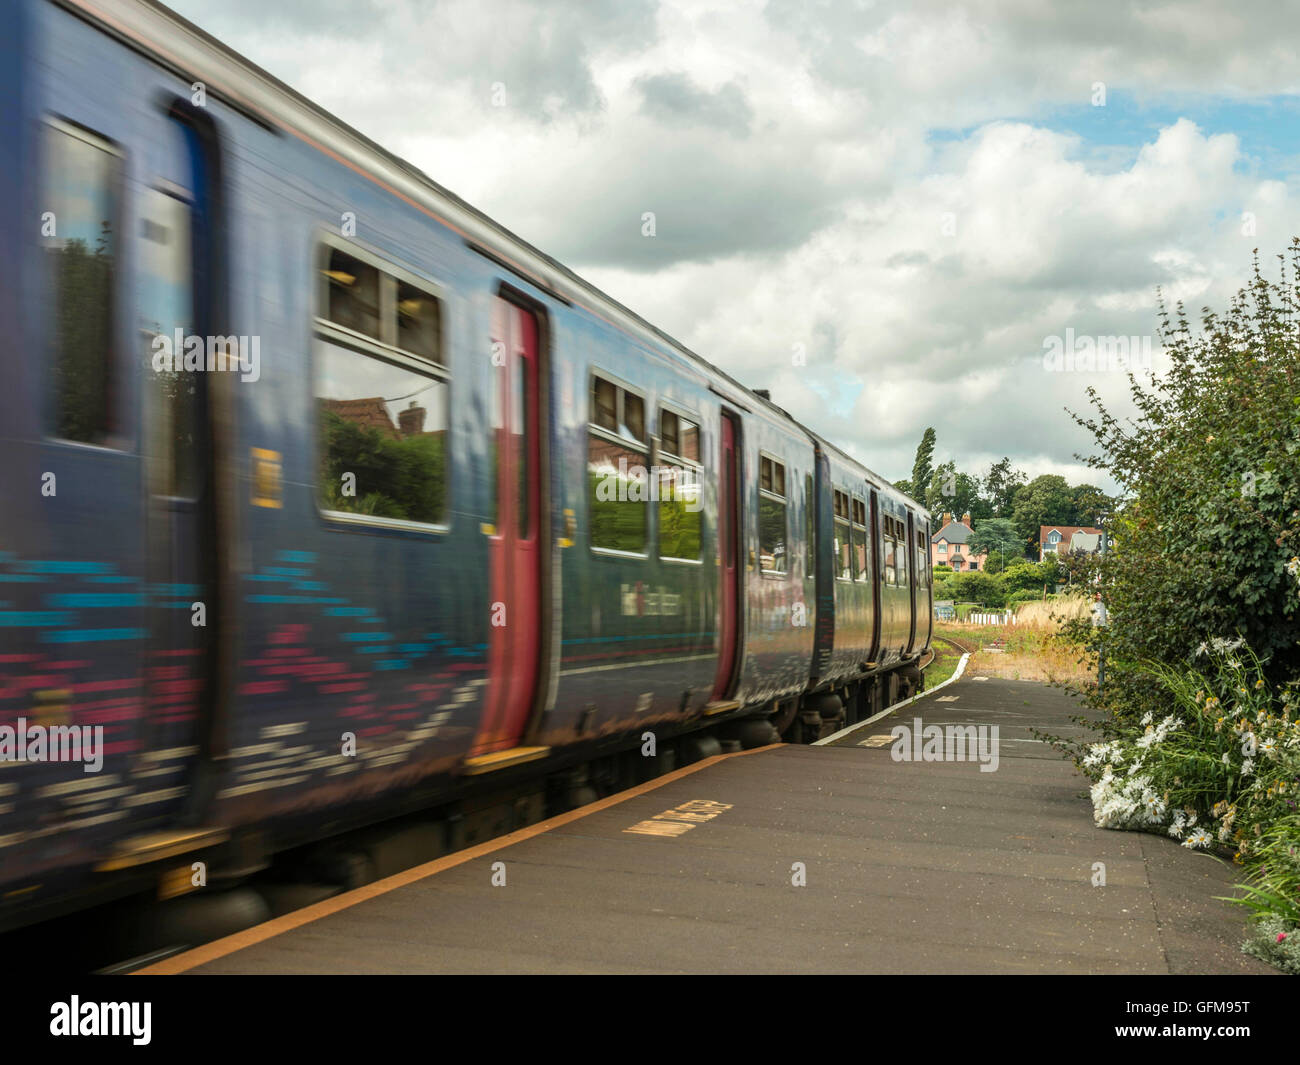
{"x":1062,"y":539}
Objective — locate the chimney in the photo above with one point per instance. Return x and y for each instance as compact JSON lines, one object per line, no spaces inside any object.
{"x":411,"y":420}
{"x":947,"y":519}
{"x":965,"y":519}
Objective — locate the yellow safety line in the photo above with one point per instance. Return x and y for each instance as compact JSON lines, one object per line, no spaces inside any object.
{"x":219,"y":948}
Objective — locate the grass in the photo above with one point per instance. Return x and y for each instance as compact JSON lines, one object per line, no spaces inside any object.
{"x":1029,"y":650}
{"x":944,"y":665}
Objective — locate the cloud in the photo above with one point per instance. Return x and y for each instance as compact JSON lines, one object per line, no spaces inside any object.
{"x":916,"y":195}
{"x":674,"y":98}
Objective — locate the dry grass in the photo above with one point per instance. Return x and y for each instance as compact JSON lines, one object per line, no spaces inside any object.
{"x":1028,"y":650}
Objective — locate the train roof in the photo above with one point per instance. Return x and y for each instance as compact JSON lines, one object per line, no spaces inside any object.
{"x":186,"y":49}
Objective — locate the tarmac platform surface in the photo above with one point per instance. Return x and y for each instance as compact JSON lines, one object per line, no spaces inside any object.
{"x":796,"y":859}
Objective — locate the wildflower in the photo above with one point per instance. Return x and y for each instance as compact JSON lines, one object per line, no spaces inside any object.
{"x":1281,"y":937}
{"x":1198,"y":839}
{"x":1147,"y":717}
{"x":1247,"y":766}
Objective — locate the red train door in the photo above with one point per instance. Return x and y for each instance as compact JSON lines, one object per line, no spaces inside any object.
{"x":514,"y":631}
{"x":728,"y":556}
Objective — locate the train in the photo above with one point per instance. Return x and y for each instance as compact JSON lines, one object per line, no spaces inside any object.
{"x":327,"y":499}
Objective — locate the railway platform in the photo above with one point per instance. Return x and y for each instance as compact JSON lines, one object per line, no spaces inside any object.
{"x":792,"y":859}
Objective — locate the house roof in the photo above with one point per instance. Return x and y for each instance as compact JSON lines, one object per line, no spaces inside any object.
{"x":372,"y":413}
{"x":954,"y":532}
{"x":1066,"y":531}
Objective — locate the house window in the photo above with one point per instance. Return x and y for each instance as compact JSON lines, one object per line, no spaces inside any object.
{"x":943,"y":548}
{"x":771,"y":515}
{"x":83,"y":176}
{"x":680,"y":477}
{"x":384,"y":407}
{"x":616,"y":468}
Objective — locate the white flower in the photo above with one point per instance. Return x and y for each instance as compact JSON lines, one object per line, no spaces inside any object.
{"x":1269,"y":747}
{"x":1247,"y":766}
{"x":1199,"y":838}
{"x":1225,"y":757}
{"x":1155,"y":807}
{"x":1223,"y":646}
{"x":1147,"y":717}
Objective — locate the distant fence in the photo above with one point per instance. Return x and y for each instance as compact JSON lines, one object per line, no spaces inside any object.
{"x":983,"y":617}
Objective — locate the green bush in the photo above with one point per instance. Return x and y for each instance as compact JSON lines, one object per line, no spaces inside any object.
{"x":1211,"y":471}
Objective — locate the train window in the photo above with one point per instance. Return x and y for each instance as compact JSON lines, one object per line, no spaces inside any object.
{"x":634,"y":415}
{"x":891,"y":569}
{"x":690,"y":442}
{"x":83,"y":176}
{"x":668,"y":435}
{"x":859,"y":540}
{"x":843,"y":539}
{"x":167,"y":305}
{"x":680,"y":478}
{"x":604,"y":404}
{"x":382,"y":394}
{"x":383,"y":436}
{"x":417,"y":322}
{"x":353,"y":294}
{"x":616,"y":473}
{"x":810,"y":543}
{"x":772,"y":532}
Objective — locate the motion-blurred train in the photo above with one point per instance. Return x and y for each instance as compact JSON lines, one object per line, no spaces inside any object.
{"x":326,"y":498}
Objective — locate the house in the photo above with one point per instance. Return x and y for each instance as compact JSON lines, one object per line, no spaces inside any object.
{"x":1063,"y":539}
{"x":948,"y":545}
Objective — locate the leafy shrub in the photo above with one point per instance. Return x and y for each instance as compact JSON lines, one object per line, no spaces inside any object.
{"x":1211,"y":469}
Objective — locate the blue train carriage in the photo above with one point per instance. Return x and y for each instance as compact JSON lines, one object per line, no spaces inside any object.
{"x":454,"y":511}
{"x":873,"y":578}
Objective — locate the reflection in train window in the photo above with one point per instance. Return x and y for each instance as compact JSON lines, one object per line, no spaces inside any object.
{"x":843,"y":540}
{"x":79,"y":230}
{"x":618,"y":487}
{"x":860,"y":572}
{"x":680,"y":481}
{"x":386,"y":425}
{"x":617,"y":492}
{"x":809,"y":530}
{"x":771,"y":516}
{"x":166,"y":305}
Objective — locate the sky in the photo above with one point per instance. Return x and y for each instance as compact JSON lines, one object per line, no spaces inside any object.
{"x":892,"y":215}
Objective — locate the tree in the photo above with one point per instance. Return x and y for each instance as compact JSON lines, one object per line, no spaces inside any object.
{"x":923,"y":467}
{"x":1001,"y":484}
{"x":1046,"y":500}
{"x":992,"y":537}
{"x":1209,"y":468}
{"x":954,"y":492}
{"x":1090,"y":502}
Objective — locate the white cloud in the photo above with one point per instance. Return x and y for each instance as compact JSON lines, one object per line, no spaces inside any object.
{"x":788,"y":149}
